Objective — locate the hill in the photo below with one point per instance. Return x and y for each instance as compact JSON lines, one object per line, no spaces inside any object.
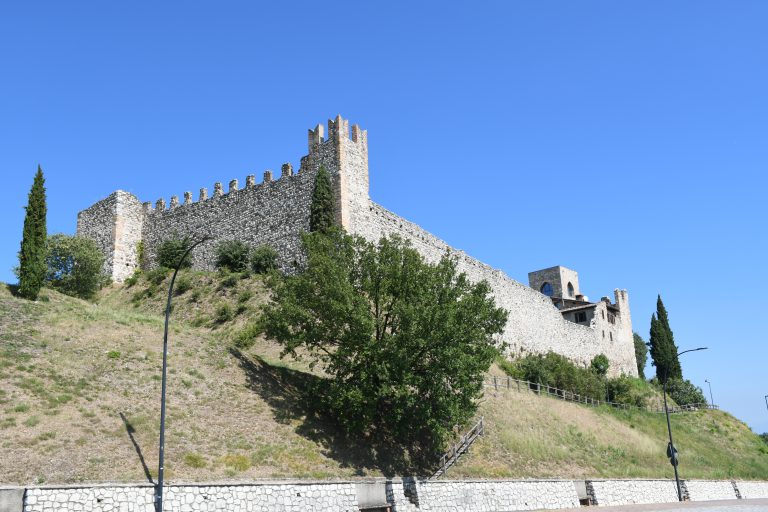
{"x":80,"y":388}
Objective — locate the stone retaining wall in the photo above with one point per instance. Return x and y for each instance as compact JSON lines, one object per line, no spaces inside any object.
{"x":708,"y":490}
{"x":402,"y":495}
{"x":752,"y":490}
{"x":623,"y":492}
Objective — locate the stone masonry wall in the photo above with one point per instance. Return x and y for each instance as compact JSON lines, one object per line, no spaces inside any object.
{"x":403,"y":495}
{"x":708,"y":490}
{"x":752,"y":490}
{"x":534,"y":325}
{"x":623,"y":492}
{"x":273,"y":212}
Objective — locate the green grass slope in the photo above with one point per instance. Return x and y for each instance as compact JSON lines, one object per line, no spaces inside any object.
{"x":80,"y":389}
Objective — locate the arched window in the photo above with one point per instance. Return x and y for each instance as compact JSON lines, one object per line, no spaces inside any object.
{"x":546,"y":289}
{"x":570,"y":290}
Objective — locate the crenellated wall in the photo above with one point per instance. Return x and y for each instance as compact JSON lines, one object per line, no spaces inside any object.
{"x":276,"y":212}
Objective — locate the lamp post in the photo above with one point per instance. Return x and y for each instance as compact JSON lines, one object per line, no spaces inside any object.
{"x":160,"y":468}
{"x":711,"y":400}
{"x":671,"y":451}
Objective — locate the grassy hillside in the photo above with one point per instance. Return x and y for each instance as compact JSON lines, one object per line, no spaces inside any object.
{"x":80,"y":388}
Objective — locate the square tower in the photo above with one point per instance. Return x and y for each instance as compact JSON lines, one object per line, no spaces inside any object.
{"x":556,"y":281}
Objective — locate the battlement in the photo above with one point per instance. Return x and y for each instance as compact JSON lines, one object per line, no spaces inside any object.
{"x":338,"y":129}
{"x":218,"y":190}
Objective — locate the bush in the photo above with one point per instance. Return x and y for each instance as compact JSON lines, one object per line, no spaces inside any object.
{"x":157,"y":276}
{"x":246,"y":337}
{"x":628,"y":390}
{"x":684,"y":392}
{"x":600,"y":365}
{"x":556,"y":371}
{"x":74,"y":265}
{"x":263,"y":259}
{"x":133,"y":279}
{"x":183,"y":284}
{"x":223,"y":313}
{"x":232,"y":255}
{"x":171,"y":250}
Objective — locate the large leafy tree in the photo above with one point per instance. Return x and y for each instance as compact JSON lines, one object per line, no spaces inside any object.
{"x":406,"y":343}
{"x":33,"y":251}
{"x":74,"y":265}
{"x":641,"y":354}
{"x":662,"y":345}
{"x":321,"y":217}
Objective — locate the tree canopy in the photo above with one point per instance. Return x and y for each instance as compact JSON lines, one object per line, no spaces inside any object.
{"x":74,"y":265}
{"x":406,"y":343}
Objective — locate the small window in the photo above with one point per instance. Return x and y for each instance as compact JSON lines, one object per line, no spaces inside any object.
{"x":603,"y":334}
{"x":603,"y":313}
{"x":611,"y":335}
{"x":581,"y":316}
{"x":570,"y":290}
{"x":547,"y":290}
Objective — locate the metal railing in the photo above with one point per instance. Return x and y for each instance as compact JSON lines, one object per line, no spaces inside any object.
{"x":459,"y":448}
{"x":508,"y":383}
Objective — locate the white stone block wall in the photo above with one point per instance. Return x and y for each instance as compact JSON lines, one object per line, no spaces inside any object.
{"x":486,"y":496}
{"x":752,"y":490}
{"x":289,"y":497}
{"x":623,"y":492}
{"x":707,"y":490}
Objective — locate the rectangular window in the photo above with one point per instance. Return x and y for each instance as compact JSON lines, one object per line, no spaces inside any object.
{"x":581,"y":316}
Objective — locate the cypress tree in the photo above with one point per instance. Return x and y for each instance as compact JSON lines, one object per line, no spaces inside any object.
{"x":321,"y":216}
{"x":32,"y":255}
{"x":663,"y":349}
{"x":641,"y":354}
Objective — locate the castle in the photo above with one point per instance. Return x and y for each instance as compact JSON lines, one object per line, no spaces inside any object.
{"x":549,"y":315}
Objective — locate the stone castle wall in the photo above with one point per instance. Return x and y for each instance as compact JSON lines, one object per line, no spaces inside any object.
{"x":534,"y":324}
{"x":275,"y":212}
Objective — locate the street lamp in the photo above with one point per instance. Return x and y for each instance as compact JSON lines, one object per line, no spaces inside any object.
{"x":711,"y":400}
{"x":159,"y":488}
{"x":671,"y":452}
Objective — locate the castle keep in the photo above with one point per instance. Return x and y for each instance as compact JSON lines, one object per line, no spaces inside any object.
{"x":550,"y":314}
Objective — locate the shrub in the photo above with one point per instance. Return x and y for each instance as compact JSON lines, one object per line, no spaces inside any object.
{"x":194,"y":460}
{"x":263,"y":259}
{"x":157,"y":276}
{"x":246,"y":337}
{"x":628,"y":390}
{"x":232,"y":255}
{"x":557,"y":371}
{"x":228,"y":281}
{"x":133,"y":279}
{"x":74,"y":265}
{"x":223,"y":313}
{"x":684,"y":392}
{"x":600,"y":365}
{"x":171,"y":250}
{"x":183,"y":284}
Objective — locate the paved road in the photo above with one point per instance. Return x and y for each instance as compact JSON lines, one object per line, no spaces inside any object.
{"x":708,"y":506}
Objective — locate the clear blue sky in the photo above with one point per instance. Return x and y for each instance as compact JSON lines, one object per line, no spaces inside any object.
{"x":626,"y":140}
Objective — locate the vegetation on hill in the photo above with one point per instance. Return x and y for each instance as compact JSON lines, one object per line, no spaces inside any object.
{"x":80,"y":388}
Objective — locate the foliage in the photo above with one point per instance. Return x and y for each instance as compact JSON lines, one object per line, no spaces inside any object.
{"x":74,"y":265}
{"x":406,"y":342}
{"x":684,"y":392}
{"x":232,"y":255}
{"x":141,"y":254}
{"x":557,"y":371}
{"x":600,"y":365}
{"x":321,"y":217}
{"x":157,"y":275}
{"x":183,"y":284}
{"x":223,"y":313}
{"x":170,"y":252}
{"x":662,"y":343}
{"x":764,"y":437}
{"x":641,"y":354}
{"x":246,"y":337}
{"x":263,"y":259}
{"x":33,"y":251}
